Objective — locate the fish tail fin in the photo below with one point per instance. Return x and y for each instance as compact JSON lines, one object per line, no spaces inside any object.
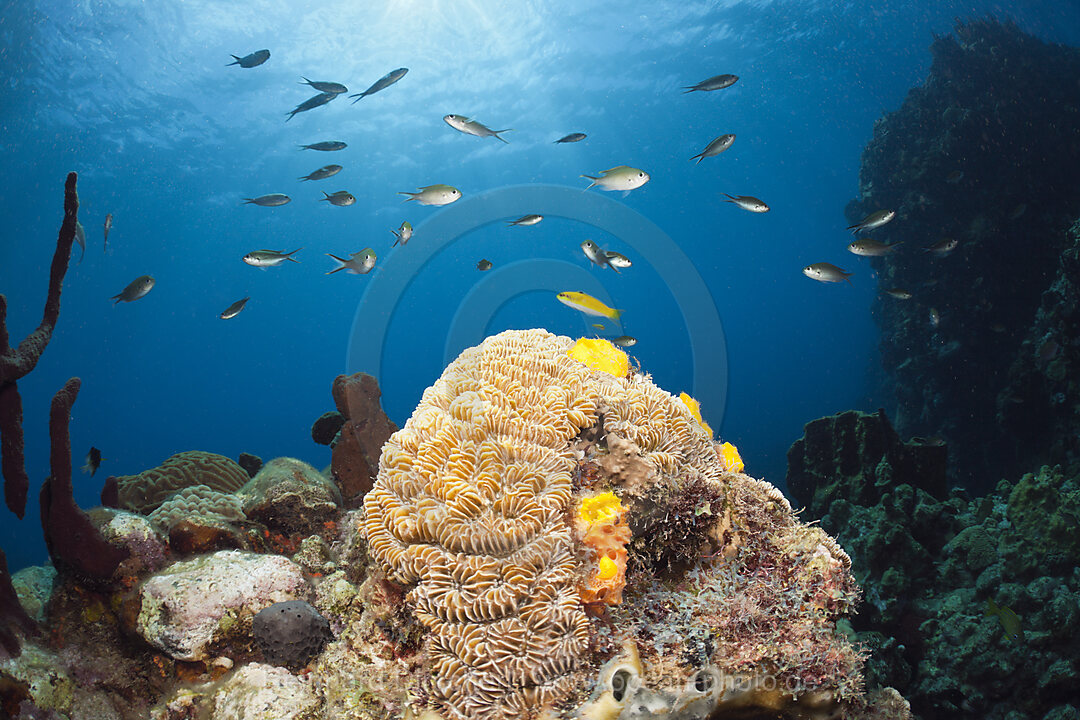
{"x":700,"y":156}
{"x":340,"y":264}
{"x":730,"y":198}
{"x":248,"y":201}
{"x":847,"y":279}
{"x":326,"y":194}
{"x":358,"y":96}
{"x":289,"y":255}
{"x":412,"y":196}
{"x":616,"y":315}
{"x":497,"y":136}
{"x":306,"y":81}
{"x":991,"y":608}
{"x":233,"y":63}
{"x":116,"y":298}
{"x":594,"y":180}
{"x":688,"y":89}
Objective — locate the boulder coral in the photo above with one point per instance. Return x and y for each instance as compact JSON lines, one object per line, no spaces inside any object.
{"x":470,"y":516}
{"x":144,"y":492}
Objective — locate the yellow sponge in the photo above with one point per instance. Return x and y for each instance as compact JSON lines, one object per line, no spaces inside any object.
{"x":601,"y":355}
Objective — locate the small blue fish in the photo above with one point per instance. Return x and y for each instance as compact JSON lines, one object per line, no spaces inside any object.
{"x":253,"y":60}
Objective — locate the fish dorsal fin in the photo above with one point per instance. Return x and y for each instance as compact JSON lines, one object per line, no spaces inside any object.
{"x":617,"y":167}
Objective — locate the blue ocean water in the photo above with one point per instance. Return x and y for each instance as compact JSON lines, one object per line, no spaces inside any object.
{"x":137,"y":98}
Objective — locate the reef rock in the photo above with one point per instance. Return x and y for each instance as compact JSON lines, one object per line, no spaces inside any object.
{"x":194,"y":608}
{"x":258,"y":691}
{"x":289,"y":496}
{"x":859,"y":457}
{"x":356,"y":452}
{"x":995,"y":118}
{"x":929,"y":568}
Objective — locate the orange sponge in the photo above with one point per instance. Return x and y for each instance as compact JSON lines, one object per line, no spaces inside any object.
{"x":601,"y":525}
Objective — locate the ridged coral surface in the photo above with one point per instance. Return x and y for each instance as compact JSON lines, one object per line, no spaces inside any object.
{"x":144,"y":492}
{"x":469,"y":508}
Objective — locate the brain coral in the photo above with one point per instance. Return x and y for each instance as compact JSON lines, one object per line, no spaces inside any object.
{"x":470,"y":505}
{"x":144,"y":492}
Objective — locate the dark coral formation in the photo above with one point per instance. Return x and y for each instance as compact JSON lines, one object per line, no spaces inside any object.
{"x":929,"y":567}
{"x":1040,"y":403}
{"x":75,"y":544}
{"x":290,"y":633}
{"x":986,"y":151}
{"x":15,"y":619}
{"x":359,"y":443}
{"x":15,"y":363}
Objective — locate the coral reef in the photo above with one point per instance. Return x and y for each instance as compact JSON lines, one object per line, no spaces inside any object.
{"x":290,"y":633}
{"x":359,"y":442}
{"x":75,"y":544}
{"x":142,"y":493}
{"x":1043,"y":373}
{"x":326,"y":427}
{"x":528,"y":494}
{"x":16,"y":619}
{"x":468,"y":514}
{"x":995,"y":118}
{"x":929,"y":568}
{"x":16,"y":363}
{"x":199,"y":502}
{"x":194,"y":607}
{"x":289,"y":496}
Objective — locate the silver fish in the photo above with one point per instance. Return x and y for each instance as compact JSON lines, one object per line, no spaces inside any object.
{"x":234,"y":309}
{"x":403,"y":234}
{"x":322,"y":173}
{"x":253,"y":60}
{"x":342,"y":198}
{"x":472,"y":127}
{"x":108,"y":227}
{"x":526,"y":220}
{"x":572,"y":138}
{"x":439,"y":194}
{"x":311,"y":103}
{"x":868,"y":247}
{"x":359,"y":263}
{"x":942,"y":247}
{"x":826,"y":272}
{"x":747,"y":202}
{"x":271,"y":200}
{"x":326,"y":86}
{"x":898,"y":293}
{"x":618,"y":260}
{"x":716,"y":147}
{"x":624,"y":341}
{"x":270,"y":258}
{"x":484,"y":265}
{"x":136,"y":289}
{"x":80,"y":237}
{"x":873,"y":220}
{"x":325,"y":146}
{"x":382,"y":83}
{"x":620,"y":177}
{"x":716,"y":82}
{"x":596,"y":255}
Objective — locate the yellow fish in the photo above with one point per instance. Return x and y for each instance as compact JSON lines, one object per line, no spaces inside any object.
{"x":588,"y":305}
{"x":1009,"y":620}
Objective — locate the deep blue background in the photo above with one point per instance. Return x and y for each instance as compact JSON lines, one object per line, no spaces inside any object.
{"x":136,"y":98}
